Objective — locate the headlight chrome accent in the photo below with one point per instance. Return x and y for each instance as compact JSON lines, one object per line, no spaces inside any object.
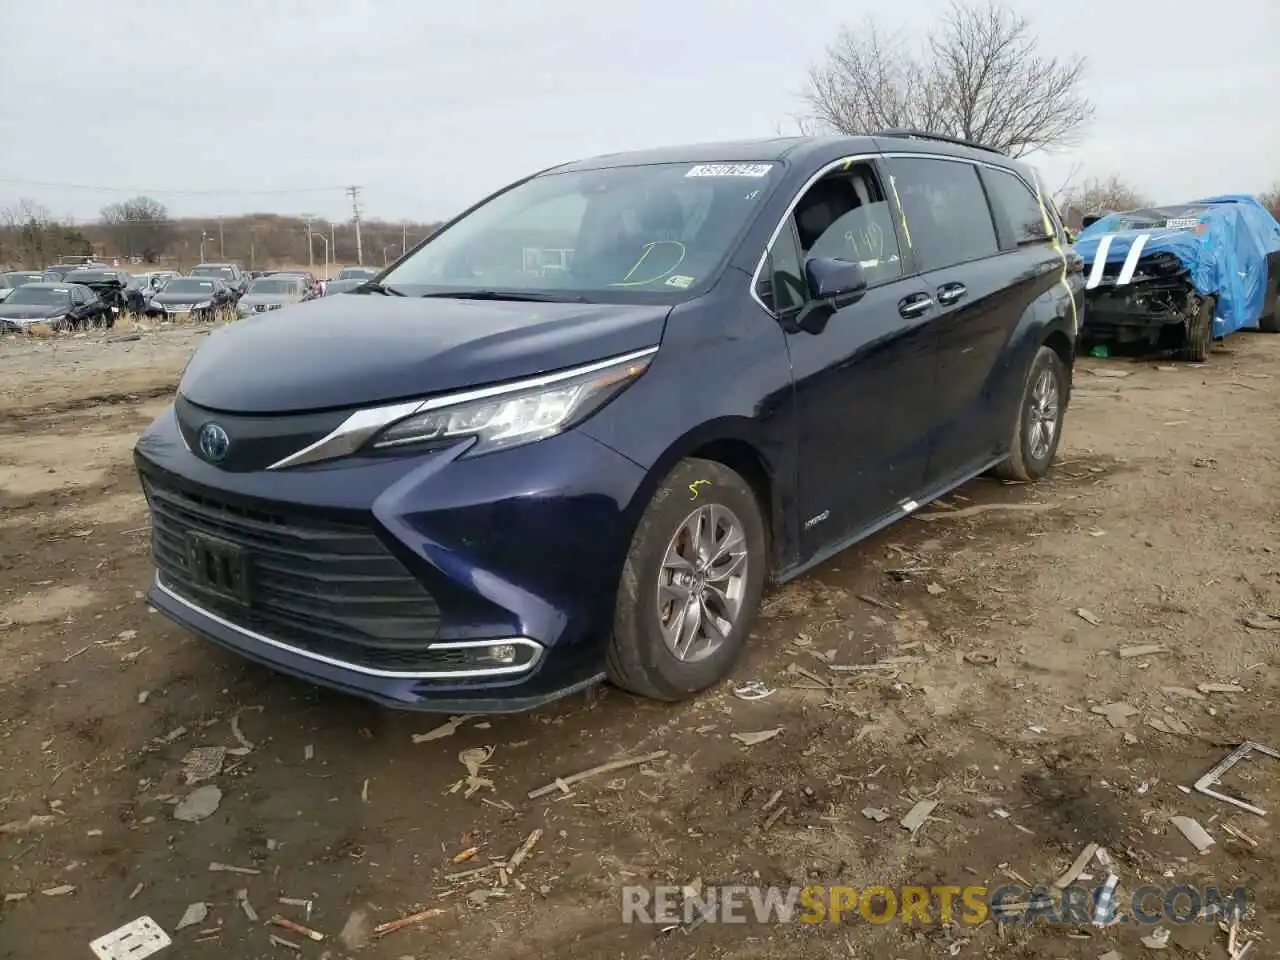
{"x":363,"y":426}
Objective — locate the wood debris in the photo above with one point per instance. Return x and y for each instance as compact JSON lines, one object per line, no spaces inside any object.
{"x":1141,"y":650}
{"x":1077,"y":867}
{"x":284,"y":923}
{"x":1220,"y":688}
{"x":216,"y":867}
{"x":1196,"y":835}
{"x":382,"y":929}
{"x":755,"y":737}
{"x":522,"y":852}
{"x":446,"y":729}
{"x":917,"y":816}
{"x":563,"y":783}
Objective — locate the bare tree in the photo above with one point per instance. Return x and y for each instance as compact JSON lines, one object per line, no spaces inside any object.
{"x":139,"y":227}
{"x":1096,"y":195}
{"x":1271,"y":200}
{"x":978,"y":75}
{"x":30,"y":231}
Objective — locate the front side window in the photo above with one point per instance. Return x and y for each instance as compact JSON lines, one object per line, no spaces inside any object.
{"x":619,"y":233}
{"x":946,"y":211}
{"x":844,"y":216}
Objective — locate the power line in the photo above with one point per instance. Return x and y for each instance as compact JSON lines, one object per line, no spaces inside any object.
{"x":17,"y":181}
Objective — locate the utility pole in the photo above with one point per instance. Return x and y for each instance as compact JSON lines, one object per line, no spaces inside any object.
{"x":354,"y":194}
{"x":222,"y":247}
{"x":311,"y":255}
{"x":404,"y":238}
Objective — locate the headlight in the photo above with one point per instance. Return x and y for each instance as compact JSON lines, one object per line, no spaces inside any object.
{"x":512,"y":417}
{"x":496,"y":417}
{"x":202,"y":305}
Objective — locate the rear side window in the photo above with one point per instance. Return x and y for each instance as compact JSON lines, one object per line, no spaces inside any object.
{"x":1020,"y":206}
{"x":946,"y":211}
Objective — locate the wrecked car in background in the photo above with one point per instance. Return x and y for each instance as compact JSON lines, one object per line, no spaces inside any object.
{"x":1179,"y":277}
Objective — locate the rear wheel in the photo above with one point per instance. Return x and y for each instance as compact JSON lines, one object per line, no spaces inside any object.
{"x":1038,"y":425}
{"x":1199,"y":341}
{"x":691,"y":584}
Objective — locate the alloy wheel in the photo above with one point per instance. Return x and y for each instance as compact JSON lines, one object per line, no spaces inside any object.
{"x":1042,"y":415}
{"x":702,"y":582}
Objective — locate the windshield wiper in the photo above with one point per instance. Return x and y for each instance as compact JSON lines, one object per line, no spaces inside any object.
{"x":502,"y":295}
{"x":373,"y":286}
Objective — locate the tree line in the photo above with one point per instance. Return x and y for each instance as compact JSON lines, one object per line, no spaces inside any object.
{"x":140,"y":230}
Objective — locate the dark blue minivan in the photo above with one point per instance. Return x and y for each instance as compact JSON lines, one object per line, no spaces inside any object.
{"x":572,"y":434}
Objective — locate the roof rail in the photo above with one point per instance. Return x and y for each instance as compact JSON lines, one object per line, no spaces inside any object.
{"x":908,"y":133}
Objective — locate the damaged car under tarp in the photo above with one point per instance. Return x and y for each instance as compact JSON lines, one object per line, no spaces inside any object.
{"x":1179,"y":277}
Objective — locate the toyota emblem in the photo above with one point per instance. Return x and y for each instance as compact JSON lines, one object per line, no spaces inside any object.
{"x":214,"y":443}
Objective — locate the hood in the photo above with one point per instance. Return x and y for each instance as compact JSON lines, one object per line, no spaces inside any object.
{"x":180,"y":298}
{"x":1120,"y":242}
{"x":30,"y":311}
{"x":366,"y":348}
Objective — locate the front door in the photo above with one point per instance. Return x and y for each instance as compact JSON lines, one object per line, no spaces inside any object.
{"x":864,"y":383}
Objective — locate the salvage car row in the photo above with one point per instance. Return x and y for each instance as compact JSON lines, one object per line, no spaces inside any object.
{"x":77,"y":296}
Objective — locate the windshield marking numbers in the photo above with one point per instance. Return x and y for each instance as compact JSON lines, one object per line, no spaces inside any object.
{"x":730,"y":170}
{"x":1099,"y":262}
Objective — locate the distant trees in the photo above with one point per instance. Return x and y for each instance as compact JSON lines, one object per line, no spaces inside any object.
{"x":30,"y":236}
{"x":139,"y":228}
{"x":1271,"y":200}
{"x":142,"y":229}
{"x":978,"y":75}
{"x":1097,"y":195}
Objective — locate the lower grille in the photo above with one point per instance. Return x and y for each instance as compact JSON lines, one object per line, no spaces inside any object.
{"x":327,"y":588}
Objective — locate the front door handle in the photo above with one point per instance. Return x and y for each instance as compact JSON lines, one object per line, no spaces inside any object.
{"x":915,"y":305}
{"x":950,"y":293}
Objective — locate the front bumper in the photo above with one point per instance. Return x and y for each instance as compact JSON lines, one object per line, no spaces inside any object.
{"x":520,"y":548}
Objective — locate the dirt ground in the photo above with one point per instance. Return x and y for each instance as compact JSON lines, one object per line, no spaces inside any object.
{"x":1158,"y":526}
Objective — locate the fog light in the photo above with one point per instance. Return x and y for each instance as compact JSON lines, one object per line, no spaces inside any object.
{"x":504,"y":653}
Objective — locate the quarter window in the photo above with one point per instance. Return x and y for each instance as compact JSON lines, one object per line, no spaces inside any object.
{"x":946,"y":211}
{"x":1021,"y":207}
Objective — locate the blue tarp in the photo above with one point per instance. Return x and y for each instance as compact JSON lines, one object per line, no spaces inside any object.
{"x":1223,"y":241}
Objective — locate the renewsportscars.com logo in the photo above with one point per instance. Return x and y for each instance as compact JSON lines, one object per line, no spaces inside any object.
{"x":970,"y":905}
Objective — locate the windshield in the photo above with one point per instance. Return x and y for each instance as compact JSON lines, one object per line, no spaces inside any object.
{"x":606,"y":234}
{"x":356,"y":273}
{"x":188,"y":285}
{"x":1185,"y":217}
{"x":225,"y":273}
{"x":91,"y":276}
{"x":275,"y":287}
{"x":44,"y":296}
{"x":341,"y":286}
{"x":59,"y":272}
{"x":18,"y":279}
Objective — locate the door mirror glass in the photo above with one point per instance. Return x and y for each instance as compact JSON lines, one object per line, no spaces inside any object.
{"x":830,"y":279}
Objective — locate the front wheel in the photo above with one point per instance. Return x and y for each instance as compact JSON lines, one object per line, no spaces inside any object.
{"x":691,"y":584}
{"x":1199,"y":342}
{"x":1038,"y":425}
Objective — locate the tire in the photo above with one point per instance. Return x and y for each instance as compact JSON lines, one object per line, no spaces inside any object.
{"x":1200,"y":334}
{"x":639,"y":658}
{"x":1045,"y":390}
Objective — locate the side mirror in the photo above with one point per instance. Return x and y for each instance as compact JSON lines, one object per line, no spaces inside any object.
{"x":834,"y":280}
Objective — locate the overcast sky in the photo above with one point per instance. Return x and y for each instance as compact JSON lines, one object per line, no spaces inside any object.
{"x":232,"y":106}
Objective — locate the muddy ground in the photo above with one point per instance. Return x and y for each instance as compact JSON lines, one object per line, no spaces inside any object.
{"x":1159,"y":523}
